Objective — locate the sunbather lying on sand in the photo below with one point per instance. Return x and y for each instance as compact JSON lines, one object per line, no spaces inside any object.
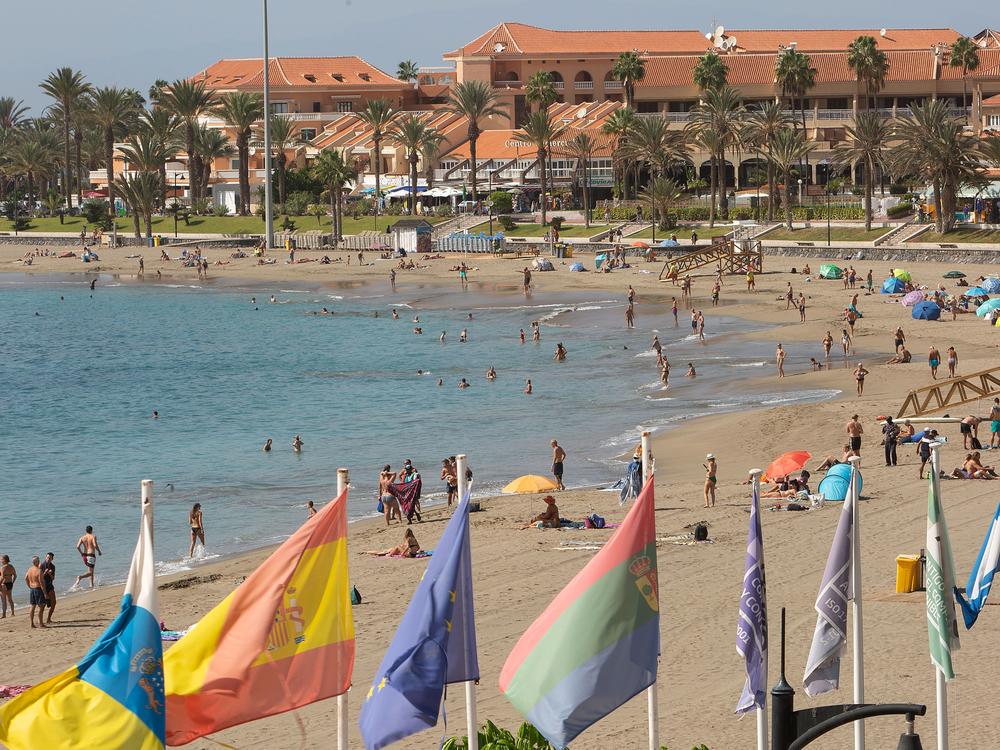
{"x":409,"y":548}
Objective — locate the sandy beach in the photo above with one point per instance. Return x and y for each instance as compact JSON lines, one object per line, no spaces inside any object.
{"x":517,"y":572}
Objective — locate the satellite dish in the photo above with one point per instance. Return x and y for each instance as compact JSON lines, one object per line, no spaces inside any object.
{"x":720,"y":31}
{"x":882,"y":32}
{"x":499,"y":47}
{"x":732,"y":42}
{"x":708,"y":37}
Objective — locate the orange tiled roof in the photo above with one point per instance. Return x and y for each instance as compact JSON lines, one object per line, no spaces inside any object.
{"x":993,"y":101}
{"x":296,"y":73}
{"x":518,"y":39}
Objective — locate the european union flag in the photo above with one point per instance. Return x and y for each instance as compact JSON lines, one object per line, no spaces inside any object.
{"x":434,"y":645}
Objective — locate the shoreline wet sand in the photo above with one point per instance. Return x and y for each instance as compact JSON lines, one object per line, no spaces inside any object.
{"x":518,"y":572}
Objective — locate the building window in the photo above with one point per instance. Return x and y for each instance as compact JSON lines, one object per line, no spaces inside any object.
{"x":317,"y":107}
{"x":647,"y":107}
{"x":993,"y":122}
{"x":234,"y":163}
{"x":307,"y":134}
{"x":345,"y":106}
{"x":679,"y":106}
{"x":279,"y":108}
{"x":838,"y":103}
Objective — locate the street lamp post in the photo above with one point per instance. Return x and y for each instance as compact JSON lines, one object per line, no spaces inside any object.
{"x":829,"y":231}
{"x":16,"y":180}
{"x":268,"y":209}
{"x":489,"y":201}
{"x":176,"y":206}
{"x":800,"y":191}
{"x":756,"y":163}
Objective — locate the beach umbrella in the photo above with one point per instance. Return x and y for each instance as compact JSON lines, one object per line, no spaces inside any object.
{"x":787,"y":463}
{"x":954,"y":275}
{"x":913,"y":298}
{"x":577,"y":267}
{"x":640,"y":243}
{"x":987,"y":307}
{"x":976,"y":291}
{"x":834,"y":485}
{"x":892,"y":285}
{"x":926,"y":311}
{"x":902,"y":274}
{"x":991,"y":285}
{"x":530,"y":483}
{"x":831,"y":271}
{"x":668,"y":243}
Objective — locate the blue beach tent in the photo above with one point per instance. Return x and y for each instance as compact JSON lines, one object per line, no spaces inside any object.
{"x":892,"y":285}
{"x":991,"y":285}
{"x":926,"y":310}
{"x":834,"y":485}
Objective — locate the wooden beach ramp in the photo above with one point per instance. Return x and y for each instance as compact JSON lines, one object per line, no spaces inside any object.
{"x":947,"y":394}
{"x":735,"y":256}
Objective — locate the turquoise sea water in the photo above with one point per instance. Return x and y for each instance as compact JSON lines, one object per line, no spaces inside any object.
{"x":82,"y":378}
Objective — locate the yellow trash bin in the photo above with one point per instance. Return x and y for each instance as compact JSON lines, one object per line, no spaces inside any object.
{"x":907,"y":573}
{"x":568,"y":252}
{"x":156,"y":240}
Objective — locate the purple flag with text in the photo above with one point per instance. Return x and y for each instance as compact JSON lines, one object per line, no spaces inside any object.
{"x":751,"y":627}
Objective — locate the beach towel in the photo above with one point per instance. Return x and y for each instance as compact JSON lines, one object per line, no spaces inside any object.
{"x":10,"y":691}
{"x":408,"y":494}
{"x":631,"y":483}
{"x":172,"y":635}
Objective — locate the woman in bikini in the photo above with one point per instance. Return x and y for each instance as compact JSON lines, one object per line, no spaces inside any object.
{"x":197,"y":528}
{"x":827,"y":344}
{"x":711,"y":480}
{"x":409,"y":548}
{"x":7,"y":577}
{"x":952,"y":361}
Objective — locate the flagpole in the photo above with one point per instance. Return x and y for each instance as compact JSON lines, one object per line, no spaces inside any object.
{"x":652,"y":697}
{"x":942,"y":684}
{"x":268,"y":207}
{"x":342,"y":723}
{"x":471,"y":720}
{"x":762,"y":709}
{"x":857,"y":623}
{"x":146,"y":492}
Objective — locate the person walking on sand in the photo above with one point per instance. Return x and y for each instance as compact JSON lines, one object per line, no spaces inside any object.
{"x":673,"y":309}
{"x":845,"y":341}
{"x":898,"y":339}
{"x":890,"y":430}
{"x":802,"y":307}
{"x":854,"y":432}
{"x":631,"y":295}
{"x":7,"y":577}
{"x":952,"y":361}
{"x":390,"y":505}
{"x":526,"y":273}
{"x":392,"y":279}
{"x":630,"y":317}
{"x":36,"y":592}
{"x":859,"y":377}
{"x":89,"y":549}
{"x":558,"y":457}
{"x":870,"y":281}
{"x":701,"y":325}
{"x":751,"y":282}
{"x":195,"y":521}
{"x":995,"y":424}
{"x":711,"y":479}
{"x":789,"y":296}
{"x":779,"y":359}
{"x":934,"y":360}
{"x":827,"y":345}
{"x":48,"y":568}
{"x":448,"y":474}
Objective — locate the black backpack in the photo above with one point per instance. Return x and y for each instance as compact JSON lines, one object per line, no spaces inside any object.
{"x":701,"y":533}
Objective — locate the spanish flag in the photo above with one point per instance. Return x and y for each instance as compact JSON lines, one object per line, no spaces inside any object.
{"x":283,"y":639}
{"x":112,"y":699}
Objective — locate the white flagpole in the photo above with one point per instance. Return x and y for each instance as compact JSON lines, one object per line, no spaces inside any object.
{"x":652,"y":698}
{"x":761,"y":710}
{"x":342,"y":722}
{"x":942,"y":684}
{"x":857,"y":624}
{"x":471,"y":720}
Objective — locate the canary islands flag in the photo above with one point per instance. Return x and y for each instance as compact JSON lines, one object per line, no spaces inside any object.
{"x":112,"y":699}
{"x":434,"y":645}
{"x":283,"y":639}
{"x":597,"y":644}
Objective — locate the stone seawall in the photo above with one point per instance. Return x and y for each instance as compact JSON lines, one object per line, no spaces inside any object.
{"x":952,"y":256}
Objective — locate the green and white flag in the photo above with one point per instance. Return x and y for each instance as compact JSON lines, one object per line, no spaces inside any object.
{"x":942,"y":624}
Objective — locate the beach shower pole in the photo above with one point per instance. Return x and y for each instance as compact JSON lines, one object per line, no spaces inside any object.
{"x":342,"y":722}
{"x":652,"y":698}
{"x":761,"y":710}
{"x":471,"y":720}
{"x":268,"y":209}
{"x":857,"y":623}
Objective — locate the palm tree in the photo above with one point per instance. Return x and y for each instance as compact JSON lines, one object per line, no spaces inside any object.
{"x":113,"y":110}
{"x":629,"y":68}
{"x":539,"y":89}
{"x":31,"y":157}
{"x":142,"y":191}
{"x":407,"y":71}
{"x":430,"y":155}
{"x":763,"y":124}
{"x":795,"y":76}
{"x":189,"y":100}
{"x":964,"y":55}
{"x":582,"y":148}
{"x":864,"y":143}
{"x":67,"y":87}
{"x":617,"y":127}
{"x":662,"y":193}
{"x":156,"y":91}
{"x":241,"y":110}
{"x":707,"y":139}
{"x":163,"y":127}
{"x":661,"y":149}
{"x":377,"y":115}
{"x":411,"y":133}
{"x":870,"y":65}
{"x":212,"y":144}
{"x":474,"y":100}
{"x":710,"y":72}
{"x":143,"y":151}
{"x":788,"y":148}
{"x":933,"y":146}
{"x":723,"y":112}
{"x":539,"y":131}
{"x":11,"y":112}
{"x":331,"y":169}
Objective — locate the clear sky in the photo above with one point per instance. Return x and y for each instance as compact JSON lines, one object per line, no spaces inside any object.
{"x":133,"y":43}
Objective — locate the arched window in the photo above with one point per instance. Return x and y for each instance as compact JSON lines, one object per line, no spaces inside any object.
{"x":582,"y":76}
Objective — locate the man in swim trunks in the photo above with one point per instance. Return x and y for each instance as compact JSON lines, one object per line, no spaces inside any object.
{"x":390,"y":505}
{"x":48,"y":568}
{"x":995,"y":423}
{"x":933,"y":360}
{"x":88,"y":548}
{"x":36,"y":592}
{"x":558,"y":457}
{"x":969,"y":427}
{"x":7,"y":577}
{"x":854,"y":432}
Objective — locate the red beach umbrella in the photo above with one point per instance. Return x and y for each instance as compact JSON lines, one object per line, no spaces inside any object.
{"x":640,"y":243}
{"x":787,"y":463}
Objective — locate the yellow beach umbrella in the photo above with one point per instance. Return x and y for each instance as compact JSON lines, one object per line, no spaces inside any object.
{"x":531,"y":483}
{"x":902,"y":274}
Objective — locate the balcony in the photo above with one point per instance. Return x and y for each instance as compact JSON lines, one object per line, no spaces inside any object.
{"x":613,"y":85}
{"x":508,"y":84}
{"x":558,"y":85}
{"x":218,"y":122}
{"x":583,"y":85}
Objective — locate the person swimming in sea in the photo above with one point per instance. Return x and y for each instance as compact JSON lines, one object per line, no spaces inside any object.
{"x":395,"y":315}
{"x":527,"y":387}
{"x":297,"y":444}
{"x":691,"y":371}
{"x":463,"y":383}
{"x":491,"y":374}
{"x":267,"y":446}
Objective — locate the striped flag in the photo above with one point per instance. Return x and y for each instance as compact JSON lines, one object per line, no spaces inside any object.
{"x":598,"y":642}
{"x":751,"y":627}
{"x":823,"y":666}
{"x":942,"y":625}
{"x":981,"y":577}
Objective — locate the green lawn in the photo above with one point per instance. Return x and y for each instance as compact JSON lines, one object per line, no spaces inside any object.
{"x":213,"y":224}
{"x":818,"y":234}
{"x":683,"y":232}
{"x":539,"y":230}
{"x":990,"y":236}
